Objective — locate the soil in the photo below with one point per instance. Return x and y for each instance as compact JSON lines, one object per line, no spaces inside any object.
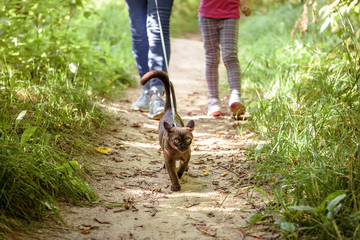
{"x":135,"y":200}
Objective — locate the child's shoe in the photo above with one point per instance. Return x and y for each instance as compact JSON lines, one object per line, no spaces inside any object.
{"x":214,"y":107}
{"x":237,"y":108}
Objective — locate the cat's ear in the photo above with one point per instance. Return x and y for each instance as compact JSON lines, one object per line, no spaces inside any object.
{"x":191,"y":125}
{"x":167,"y":126}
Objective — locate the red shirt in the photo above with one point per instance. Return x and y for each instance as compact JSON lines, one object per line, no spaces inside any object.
{"x":219,"y":8}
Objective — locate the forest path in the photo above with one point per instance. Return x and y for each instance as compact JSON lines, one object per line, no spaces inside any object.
{"x":134,"y":190}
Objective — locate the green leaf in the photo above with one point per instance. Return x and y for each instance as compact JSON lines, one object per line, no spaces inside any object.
{"x":19,"y":117}
{"x":254,"y":218}
{"x":68,"y":167}
{"x":330,"y":197}
{"x":325,"y":24}
{"x":87,"y":14}
{"x":333,"y":203}
{"x":78,"y":3}
{"x":46,"y":138}
{"x":262,"y":192}
{"x":27,"y":134}
{"x":287,"y":226}
{"x":259,"y":148}
{"x":57,"y":138}
{"x":304,"y":208}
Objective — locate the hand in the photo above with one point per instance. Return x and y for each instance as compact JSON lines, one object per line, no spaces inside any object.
{"x":246,"y":10}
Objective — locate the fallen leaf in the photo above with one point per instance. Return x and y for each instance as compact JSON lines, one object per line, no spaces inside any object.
{"x":246,"y":188}
{"x":136,"y":124}
{"x":191,"y":205}
{"x":153,"y":212}
{"x":103,"y":150}
{"x":206,"y":173}
{"x":84,"y":230}
{"x":254,"y":235}
{"x":224,"y":174}
{"x":262,"y":222}
{"x":216,"y":183}
{"x":205,"y":232}
{"x":242,"y":233}
{"x":100,"y":221}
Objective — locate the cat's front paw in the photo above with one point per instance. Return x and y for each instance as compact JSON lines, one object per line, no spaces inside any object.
{"x":175,"y":188}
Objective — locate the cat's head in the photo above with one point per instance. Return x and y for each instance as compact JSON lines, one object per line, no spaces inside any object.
{"x":180,"y":138}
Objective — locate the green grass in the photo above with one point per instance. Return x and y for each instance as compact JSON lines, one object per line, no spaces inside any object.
{"x":64,"y":57}
{"x":304,"y":99}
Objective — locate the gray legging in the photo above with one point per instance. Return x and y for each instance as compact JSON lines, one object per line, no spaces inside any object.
{"x":224,"y":33}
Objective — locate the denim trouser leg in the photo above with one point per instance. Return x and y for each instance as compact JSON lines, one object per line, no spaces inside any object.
{"x":145,"y":33}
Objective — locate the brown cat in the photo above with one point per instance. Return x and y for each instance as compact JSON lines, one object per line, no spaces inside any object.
{"x":174,"y":137}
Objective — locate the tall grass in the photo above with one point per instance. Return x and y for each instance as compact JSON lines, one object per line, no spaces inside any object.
{"x":41,"y":129}
{"x":308,"y":111}
{"x":54,"y":65}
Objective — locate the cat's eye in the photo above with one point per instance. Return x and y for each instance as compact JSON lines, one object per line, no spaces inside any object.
{"x":176,"y":141}
{"x":188,"y":140}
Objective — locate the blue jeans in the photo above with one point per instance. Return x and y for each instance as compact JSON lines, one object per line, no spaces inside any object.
{"x":145,"y":34}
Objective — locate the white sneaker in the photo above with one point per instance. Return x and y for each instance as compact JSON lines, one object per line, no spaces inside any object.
{"x":214,"y":107}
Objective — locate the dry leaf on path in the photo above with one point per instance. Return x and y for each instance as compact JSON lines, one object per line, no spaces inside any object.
{"x":246,"y":188}
{"x":206,"y":173}
{"x":100,"y":221}
{"x":136,"y":124}
{"x":103,"y":150}
{"x":242,"y":233}
{"x":224,"y":174}
{"x":255,"y":235}
{"x":191,"y":205}
{"x":262,"y":222}
{"x":206,"y":232}
{"x":85,"y":229}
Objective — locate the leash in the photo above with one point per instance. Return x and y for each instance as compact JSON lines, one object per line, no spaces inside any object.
{"x":166,"y":63}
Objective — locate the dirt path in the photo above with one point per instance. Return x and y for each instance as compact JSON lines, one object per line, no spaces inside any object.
{"x":134,"y":193}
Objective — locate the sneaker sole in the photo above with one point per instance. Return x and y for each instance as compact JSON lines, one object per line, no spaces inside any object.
{"x":139,"y":109}
{"x":215,"y":114}
{"x":237,"y":109}
{"x":156,"y":116}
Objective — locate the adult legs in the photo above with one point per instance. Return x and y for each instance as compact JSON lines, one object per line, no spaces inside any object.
{"x":140,"y":43}
{"x":157,"y":58}
{"x":147,"y":48}
{"x":145,"y":33}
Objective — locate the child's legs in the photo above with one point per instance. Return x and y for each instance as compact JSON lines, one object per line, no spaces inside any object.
{"x":229,"y":40}
{"x":209,"y":28}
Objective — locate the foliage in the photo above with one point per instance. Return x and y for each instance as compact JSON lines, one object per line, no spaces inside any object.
{"x":40,"y":37}
{"x":184,"y":18}
{"x":307,"y":111}
{"x":37,"y":133}
{"x":52,"y":67}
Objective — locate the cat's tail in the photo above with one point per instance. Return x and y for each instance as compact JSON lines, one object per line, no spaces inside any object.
{"x":167,"y":85}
